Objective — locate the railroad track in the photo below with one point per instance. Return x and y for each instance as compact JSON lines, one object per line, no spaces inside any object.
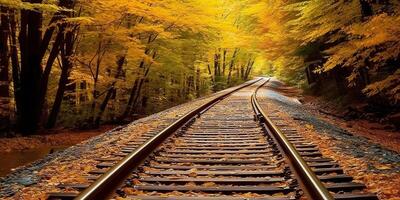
{"x":228,"y":148}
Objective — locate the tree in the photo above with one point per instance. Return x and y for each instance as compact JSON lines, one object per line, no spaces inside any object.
{"x":4,"y":67}
{"x":68,"y":32}
{"x":92,"y":61}
{"x":330,"y":40}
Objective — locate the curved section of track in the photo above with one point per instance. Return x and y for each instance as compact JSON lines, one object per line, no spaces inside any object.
{"x":312,"y":185}
{"x":223,"y":153}
{"x":318,"y":177}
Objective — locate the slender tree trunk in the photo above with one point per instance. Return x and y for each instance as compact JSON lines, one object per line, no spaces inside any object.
{"x":242,"y":72}
{"x":197,"y":86}
{"x":191,"y":84}
{"x":248,"y":69}
{"x":140,"y":86}
{"x":210,"y":73}
{"x":103,"y":106}
{"x":64,"y":37}
{"x":128,"y":107}
{"x":217,"y":63}
{"x":134,"y":92}
{"x":231,"y":65}
{"x":111,"y":91}
{"x":49,"y":65}
{"x":64,"y":42}
{"x":224,"y":62}
{"x":47,"y":36}
{"x":364,"y":76}
{"x":15,"y":66}
{"x":66,"y":52}
{"x":101,"y":52}
{"x":339,"y":79}
{"x":134,"y":89}
{"x":139,"y":90}
{"x":366,"y":9}
{"x":151,"y":38}
{"x":59,"y":96}
{"x":238,"y":71}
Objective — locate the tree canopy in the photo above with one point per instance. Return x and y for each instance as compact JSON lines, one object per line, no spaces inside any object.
{"x":109,"y":60}
{"x":354,"y":42}
{"x":84,"y":63}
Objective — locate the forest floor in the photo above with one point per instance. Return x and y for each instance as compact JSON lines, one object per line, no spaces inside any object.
{"x":57,"y":137}
{"x":379,"y":133}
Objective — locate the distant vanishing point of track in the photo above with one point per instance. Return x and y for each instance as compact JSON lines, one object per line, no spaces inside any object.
{"x":228,"y":148}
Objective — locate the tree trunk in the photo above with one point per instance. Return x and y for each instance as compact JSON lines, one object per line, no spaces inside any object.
{"x":364,"y":77}
{"x":59,"y":96}
{"x":128,"y":107}
{"x":64,"y":42}
{"x":15,"y":66}
{"x":67,"y":50}
{"x":238,"y":71}
{"x":140,"y":86}
{"x":32,"y":81}
{"x":224,"y":62}
{"x":139,"y":90}
{"x":231,"y":65}
{"x":111,"y":91}
{"x":242,"y":72}
{"x":197,"y":84}
{"x":64,"y":37}
{"x":4,"y":56}
{"x":338,"y":73}
{"x":366,"y":9}
{"x":248,"y":69}
{"x":49,"y":65}
{"x":101,"y":51}
{"x":146,"y":73}
{"x":4,"y":69}
{"x":31,"y":70}
{"x":134,"y":92}
{"x":210,"y":73}
{"x":103,"y":106}
{"x":217,"y":63}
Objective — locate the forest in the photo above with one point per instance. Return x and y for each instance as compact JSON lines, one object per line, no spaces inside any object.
{"x":81,"y":64}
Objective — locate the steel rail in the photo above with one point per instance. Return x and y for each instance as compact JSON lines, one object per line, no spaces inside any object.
{"x":104,"y":185}
{"x":313,"y":187}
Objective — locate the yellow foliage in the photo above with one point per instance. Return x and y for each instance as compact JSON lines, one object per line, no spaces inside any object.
{"x":389,"y":86}
{"x":18,"y":4}
{"x":293,"y":34}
